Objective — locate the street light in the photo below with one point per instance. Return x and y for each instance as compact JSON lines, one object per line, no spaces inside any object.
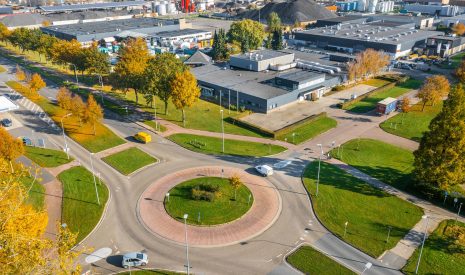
{"x":367,"y":266}
{"x":93,"y":175}
{"x":422,"y":243}
{"x":319,"y":168}
{"x":64,"y":137}
{"x":75,"y":73}
{"x":187,"y":244}
{"x":458,"y":213}
{"x":222,"y":128}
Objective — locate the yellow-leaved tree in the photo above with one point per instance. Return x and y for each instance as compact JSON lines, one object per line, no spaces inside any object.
{"x":35,"y":84}
{"x":433,"y":90}
{"x":93,"y":112}
{"x":10,"y":147}
{"x":236,"y":183}
{"x":64,"y":98}
{"x":184,"y":92}
{"x":20,"y":74}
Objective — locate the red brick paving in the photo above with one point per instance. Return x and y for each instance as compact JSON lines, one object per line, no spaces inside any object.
{"x":262,"y":214}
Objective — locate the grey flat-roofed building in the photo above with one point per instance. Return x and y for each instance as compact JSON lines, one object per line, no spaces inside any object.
{"x":353,"y":38}
{"x":260,"y":91}
{"x":95,"y":31}
{"x":93,"y":6}
{"x":261,"y":60}
{"x":340,"y":20}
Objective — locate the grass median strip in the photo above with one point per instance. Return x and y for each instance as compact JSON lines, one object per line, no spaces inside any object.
{"x":36,"y":196}
{"x":369,"y":211}
{"x":413,"y":124}
{"x":80,"y":210}
{"x":81,"y":133}
{"x":309,"y":130}
{"x":47,"y":157}
{"x":443,"y":253}
{"x":129,"y":160}
{"x":213,"y":145}
{"x":310,"y":261}
{"x":369,"y":103}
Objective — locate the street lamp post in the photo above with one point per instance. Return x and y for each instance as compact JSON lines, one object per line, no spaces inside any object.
{"x":222,"y":128}
{"x":64,"y":137}
{"x":345,"y":228}
{"x":187,"y":244}
{"x":319,"y":168}
{"x":389,"y":233}
{"x":93,"y":175}
{"x":422,"y":243}
{"x":458,"y":213}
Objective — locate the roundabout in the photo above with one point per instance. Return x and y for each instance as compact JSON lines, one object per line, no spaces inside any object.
{"x":224,"y":221}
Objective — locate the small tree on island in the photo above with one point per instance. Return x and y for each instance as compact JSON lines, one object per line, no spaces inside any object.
{"x":20,"y":74}
{"x":405,"y":107}
{"x":236,"y":183}
{"x":93,"y":112}
{"x":35,"y":84}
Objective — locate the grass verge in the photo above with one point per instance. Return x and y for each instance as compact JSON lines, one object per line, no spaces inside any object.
{"x":369,"y":103}
{"x":80,"y":210}
{"x":369,"y":211}
{"x":129,"y":160}
{"x":81,"y":133}
{"x":444,"y":251}
{"x":155,"y":126}
{"x":36,"y":196}
{"x":224,"y":208}
{"x":310,"y":261}
{"x":309,"y":130}
{"x":46,"y":157}
{"x":413,"y":124}
{"x":213,"y":145}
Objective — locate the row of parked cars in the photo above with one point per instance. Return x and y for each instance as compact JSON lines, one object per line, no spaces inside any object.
{"x":6,"y":122}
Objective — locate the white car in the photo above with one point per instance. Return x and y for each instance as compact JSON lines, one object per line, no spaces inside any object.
{"x":264,"y":170}
{"x":134,"y":259}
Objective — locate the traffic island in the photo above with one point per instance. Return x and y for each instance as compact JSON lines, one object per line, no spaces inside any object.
{"x":209,"y":200}
{"x":175,"y":192}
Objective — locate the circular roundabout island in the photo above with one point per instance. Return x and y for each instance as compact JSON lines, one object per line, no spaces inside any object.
{"x":209,"y":200}
{"x":219,"y":210}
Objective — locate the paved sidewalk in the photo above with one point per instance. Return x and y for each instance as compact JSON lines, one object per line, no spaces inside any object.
{"x":263,"y":213}
{"x":398,"y":256}
{"x":380,"y":134}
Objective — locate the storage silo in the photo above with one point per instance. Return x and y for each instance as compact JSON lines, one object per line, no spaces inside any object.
{"x":161,"y":9}
{"x":361,"y":5}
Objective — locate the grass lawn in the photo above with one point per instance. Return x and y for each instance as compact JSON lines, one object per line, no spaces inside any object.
{"x":83,"y":134}
{"x":375,"y":82}
{"x":221,"y":210}
{"x":213,"y":145}
{"x":444,"y":251}
{"x":310,"y":261}
{"x":2,"y":69}
{"x":309,"y":130}
{"x":203,"y":115}
{"x":47,"y":157}
{"x":369,"y":211}
{"x":386,"y":162}
{"x":155,"y":126}
{"x":369,"y":103}
{"x":129,"y":160}
{"x":413,"y":124}
{"x":36,"y":194}
{"x":455,"y":61}
{"x":80,"y":210}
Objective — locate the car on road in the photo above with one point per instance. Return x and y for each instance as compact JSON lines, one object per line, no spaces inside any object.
{"x":6,"y":122}
{"x":143,"y":137}
{"x":264,"y":170}
{"x":134,"y":259}
{"x":26,"y":141}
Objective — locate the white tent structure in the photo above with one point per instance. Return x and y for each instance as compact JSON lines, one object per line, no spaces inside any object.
{"x":7,"y":105}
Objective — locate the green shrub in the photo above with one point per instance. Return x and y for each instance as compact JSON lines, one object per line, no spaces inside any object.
{"x":206,"y":192}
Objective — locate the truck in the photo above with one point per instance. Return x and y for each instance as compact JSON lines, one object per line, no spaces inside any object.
{"x":386,"y":106}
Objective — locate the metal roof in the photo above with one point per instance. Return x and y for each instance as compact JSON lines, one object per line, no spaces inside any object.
{"x":95,"y":6}
{"x":387,"y":101}
{"x":7,"y":105}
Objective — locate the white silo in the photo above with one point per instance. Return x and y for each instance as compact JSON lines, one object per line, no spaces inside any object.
{"x":361,"y":5}
{"x":171,"y":8}
{"x":161,"y":9}
{"x":202,"y":6}
{"x":372,"y":5}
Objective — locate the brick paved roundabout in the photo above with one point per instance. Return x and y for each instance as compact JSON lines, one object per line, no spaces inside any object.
{"x":263,"y":213}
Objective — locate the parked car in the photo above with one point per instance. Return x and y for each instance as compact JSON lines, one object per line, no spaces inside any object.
{"x":26,"y":141}
{"x":6,"y":122}
{"x":143,"y":137}
{"x":264,"y":170}
{"x":135,"y":259}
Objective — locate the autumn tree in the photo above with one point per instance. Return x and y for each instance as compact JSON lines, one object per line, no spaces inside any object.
{"x":459,"y":72}
{"x":184,"y":92}
{"x":236,"y":182}
{"x":434,"y":89}
{"x":158,"y":76}
{"x":273,"y":22}
{"x":96,"y":62}
{"x":78,"y":108}
{"x":405,"y":107}
{"x":439,"y":160}
{"x":459,"y":29}
{"x":35,"y":84}
{"x":68,"y":53}
{"x":247,"y":32}
{"x":20,"y":74}
{"x":64,"y":98}
{"x":367,"y":63}
{"x":10,"y":148}
{"x":129,"y":71}
{"x":4,"y":33}
{"x":93,"y":112}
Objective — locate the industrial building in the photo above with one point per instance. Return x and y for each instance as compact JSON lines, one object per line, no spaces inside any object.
{"x":395,"y":38}
{"x":95,"y":6}
{"x":86,"y":33}
{"x":444,"y":46}
{"x":186,"y":38}
{"x":434,"y":10}
{"x":266,"y":80}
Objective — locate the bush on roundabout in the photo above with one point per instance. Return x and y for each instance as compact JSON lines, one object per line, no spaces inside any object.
{"x":208,"y":201}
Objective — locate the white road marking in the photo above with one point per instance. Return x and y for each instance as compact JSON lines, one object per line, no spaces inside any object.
{"x":282,"y":164}
{"x":296,"y":242}
{"x":279,"y":255}
{"x":269,"y":260}
{"x":301,"y":238}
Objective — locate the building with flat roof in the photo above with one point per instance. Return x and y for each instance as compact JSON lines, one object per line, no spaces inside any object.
{"x":94,"y":6}
{"x":86,"y":33}
{"x":184,"y":38}
{"x":444,"y":46}
{"x":395,"y":38}
{"x":434,"y":10}
{"x":265,"y":80}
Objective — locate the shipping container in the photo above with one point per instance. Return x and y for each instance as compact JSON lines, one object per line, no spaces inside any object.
{"x":386,"y":106}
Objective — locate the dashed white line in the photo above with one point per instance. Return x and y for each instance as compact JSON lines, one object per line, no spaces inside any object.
{"x":301,"y":238}
{"x":296,"y":242}
{"x":279,"y":255}
{"x":269,"y":260}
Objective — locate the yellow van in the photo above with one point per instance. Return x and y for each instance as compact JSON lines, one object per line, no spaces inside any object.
{"x":143,"y":137}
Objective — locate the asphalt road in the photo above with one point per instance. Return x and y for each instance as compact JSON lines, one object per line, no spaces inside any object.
{"x":122,"y":231}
